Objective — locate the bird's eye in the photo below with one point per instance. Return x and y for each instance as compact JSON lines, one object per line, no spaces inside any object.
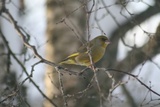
{"x":103,"y":39}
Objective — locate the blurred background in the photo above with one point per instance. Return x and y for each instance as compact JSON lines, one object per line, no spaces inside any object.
{"x":57,"y":28}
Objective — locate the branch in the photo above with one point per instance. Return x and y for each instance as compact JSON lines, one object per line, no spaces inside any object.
{"x":147,"y":52}
{"x":134,"y":76}
{"x":32,"y":47}
{"x":120,"y":32}
{"x":36,"y":54}
{"x":24,"y":69}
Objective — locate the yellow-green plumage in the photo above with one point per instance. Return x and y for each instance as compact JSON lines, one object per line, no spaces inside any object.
{"x":96,"y":48}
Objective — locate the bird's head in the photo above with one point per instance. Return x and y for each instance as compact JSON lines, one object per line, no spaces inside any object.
{"x":102,"y":40}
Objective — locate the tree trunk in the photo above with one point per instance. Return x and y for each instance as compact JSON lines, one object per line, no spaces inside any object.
{"x":64,"y":27}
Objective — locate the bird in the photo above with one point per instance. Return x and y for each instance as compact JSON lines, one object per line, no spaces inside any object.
{"x":90,"y":52}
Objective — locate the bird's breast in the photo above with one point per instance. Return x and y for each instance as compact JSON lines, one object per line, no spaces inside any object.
{"x":97,"y":54}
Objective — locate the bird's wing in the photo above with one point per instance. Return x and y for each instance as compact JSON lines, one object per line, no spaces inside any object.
{"x":72,"y":56}
{"x":70,"y":59}
{"x":83,"y":48}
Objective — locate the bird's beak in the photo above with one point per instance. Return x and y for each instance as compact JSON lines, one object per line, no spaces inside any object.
{"x":107,"y":42}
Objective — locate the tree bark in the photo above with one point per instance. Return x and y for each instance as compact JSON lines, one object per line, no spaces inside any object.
{"x":65,"y":29}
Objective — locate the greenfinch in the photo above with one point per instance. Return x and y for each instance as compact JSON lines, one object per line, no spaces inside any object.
{"x":95,"y":47}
